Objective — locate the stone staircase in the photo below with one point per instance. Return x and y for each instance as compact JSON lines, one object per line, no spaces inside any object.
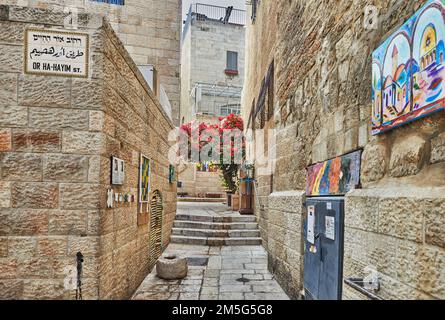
{"x":230,"y":230}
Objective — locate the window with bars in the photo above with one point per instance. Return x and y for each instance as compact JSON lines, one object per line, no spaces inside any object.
{"x":265,"y":107}
{"x":230,"y":108}
{"x":270,"y":92}
{"x":155,"y":233}
{"x":251,"y":123}
{"x":118,"y":2}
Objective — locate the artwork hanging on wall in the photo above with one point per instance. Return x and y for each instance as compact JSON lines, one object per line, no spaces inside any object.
{"x":408,"y":70}
{"x":117,"y":171}
{"x":144,"y":179}
{"x":334,"y":177}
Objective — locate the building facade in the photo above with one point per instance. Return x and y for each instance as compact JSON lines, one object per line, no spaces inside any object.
{"x":84,"y":173}
{"x":308,"y":78}
{"x":212,"y":75}
{"x":150,"y":31}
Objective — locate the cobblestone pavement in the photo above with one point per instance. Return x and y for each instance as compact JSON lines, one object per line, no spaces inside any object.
{"x":232,"y":273}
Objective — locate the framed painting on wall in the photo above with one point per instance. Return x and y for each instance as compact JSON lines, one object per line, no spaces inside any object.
{"x":334,"y":177}
{"x":144,"y":179}
{"x":117,"y":171}
{"x":408,"y":70}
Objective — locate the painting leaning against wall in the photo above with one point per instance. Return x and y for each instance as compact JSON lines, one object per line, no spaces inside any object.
{"x":408,"y":70}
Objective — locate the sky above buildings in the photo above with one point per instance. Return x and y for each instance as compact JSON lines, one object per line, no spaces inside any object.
{"x":237,"y":4}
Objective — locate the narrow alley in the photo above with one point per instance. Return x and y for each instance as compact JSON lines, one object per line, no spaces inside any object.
{"x":215,"y":272}
{"x":222,"y":150}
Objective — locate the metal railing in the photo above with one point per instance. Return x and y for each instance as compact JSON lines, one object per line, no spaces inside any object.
{"x":206,"y":12}
{"x":217,"y":13}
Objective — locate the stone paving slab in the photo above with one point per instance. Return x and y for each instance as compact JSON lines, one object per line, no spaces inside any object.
{"x":219,"y":280}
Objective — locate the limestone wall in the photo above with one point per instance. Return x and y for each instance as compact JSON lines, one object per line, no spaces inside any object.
{"x":398,"y":232}
{"x":196,"y":183}
{"x":56,"y":138}
{"x":133,"y":123}
{"x":322,"y":109}
{"x":283,"y":225}
{"x":149,"y":29}
{"x":211,"y":40}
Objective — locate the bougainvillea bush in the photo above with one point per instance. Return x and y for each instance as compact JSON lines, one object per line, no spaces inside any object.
{"x":221,"y":144}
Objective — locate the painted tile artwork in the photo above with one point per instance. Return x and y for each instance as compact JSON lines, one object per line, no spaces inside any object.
{"x":144,"y":179}
{"x":408,"y":70}
{"x":334,"y":177}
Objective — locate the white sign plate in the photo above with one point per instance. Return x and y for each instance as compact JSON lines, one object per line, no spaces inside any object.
{"x":329,"y":227}
{"x":310,"y":224}
{"x":56,"y":53}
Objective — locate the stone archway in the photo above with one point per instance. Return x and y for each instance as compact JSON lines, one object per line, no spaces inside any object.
{"x":156,"y":213}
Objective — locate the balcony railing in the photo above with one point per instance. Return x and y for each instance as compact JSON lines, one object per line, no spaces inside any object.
{"x":217,"y":13}
{"x":205,"y":12}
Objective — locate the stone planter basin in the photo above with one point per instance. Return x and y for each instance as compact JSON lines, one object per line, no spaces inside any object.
{"x":171,"y":267}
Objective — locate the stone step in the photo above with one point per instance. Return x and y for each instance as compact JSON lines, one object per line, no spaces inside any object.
{"x":206,"y":218}
{"x":208,"y":233}
{"x":215,"y":225}
{"x":215,"y":241}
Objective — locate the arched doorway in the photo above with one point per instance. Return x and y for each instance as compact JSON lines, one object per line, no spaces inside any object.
{"x":156,"y":211}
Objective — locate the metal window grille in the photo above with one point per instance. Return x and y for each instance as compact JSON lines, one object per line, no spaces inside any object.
{"x":270,"y":92}
{"x":265,"y":98}
{"x":230,"y":108}
{"x":250,"y":124}
{"x":155,"y":245}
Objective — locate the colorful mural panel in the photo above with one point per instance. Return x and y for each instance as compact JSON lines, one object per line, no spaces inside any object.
{"x":408,"y":70}
{"x":144,"y":179}
{"x":334,"y":177}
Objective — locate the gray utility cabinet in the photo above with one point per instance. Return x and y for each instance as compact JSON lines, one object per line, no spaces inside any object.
{"x":323,"y":248}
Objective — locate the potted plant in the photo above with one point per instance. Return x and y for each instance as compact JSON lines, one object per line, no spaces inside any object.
{"x":229,"y":177}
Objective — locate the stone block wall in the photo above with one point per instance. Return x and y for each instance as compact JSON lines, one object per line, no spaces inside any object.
{"x":196,"y":183}
{"x":150,"y":31}
{"x":133,"y":123}
{"x":56,"y":138}
{"x":398,"y":233}
{"x":322,"y":106}
{"x":284,"y":246}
